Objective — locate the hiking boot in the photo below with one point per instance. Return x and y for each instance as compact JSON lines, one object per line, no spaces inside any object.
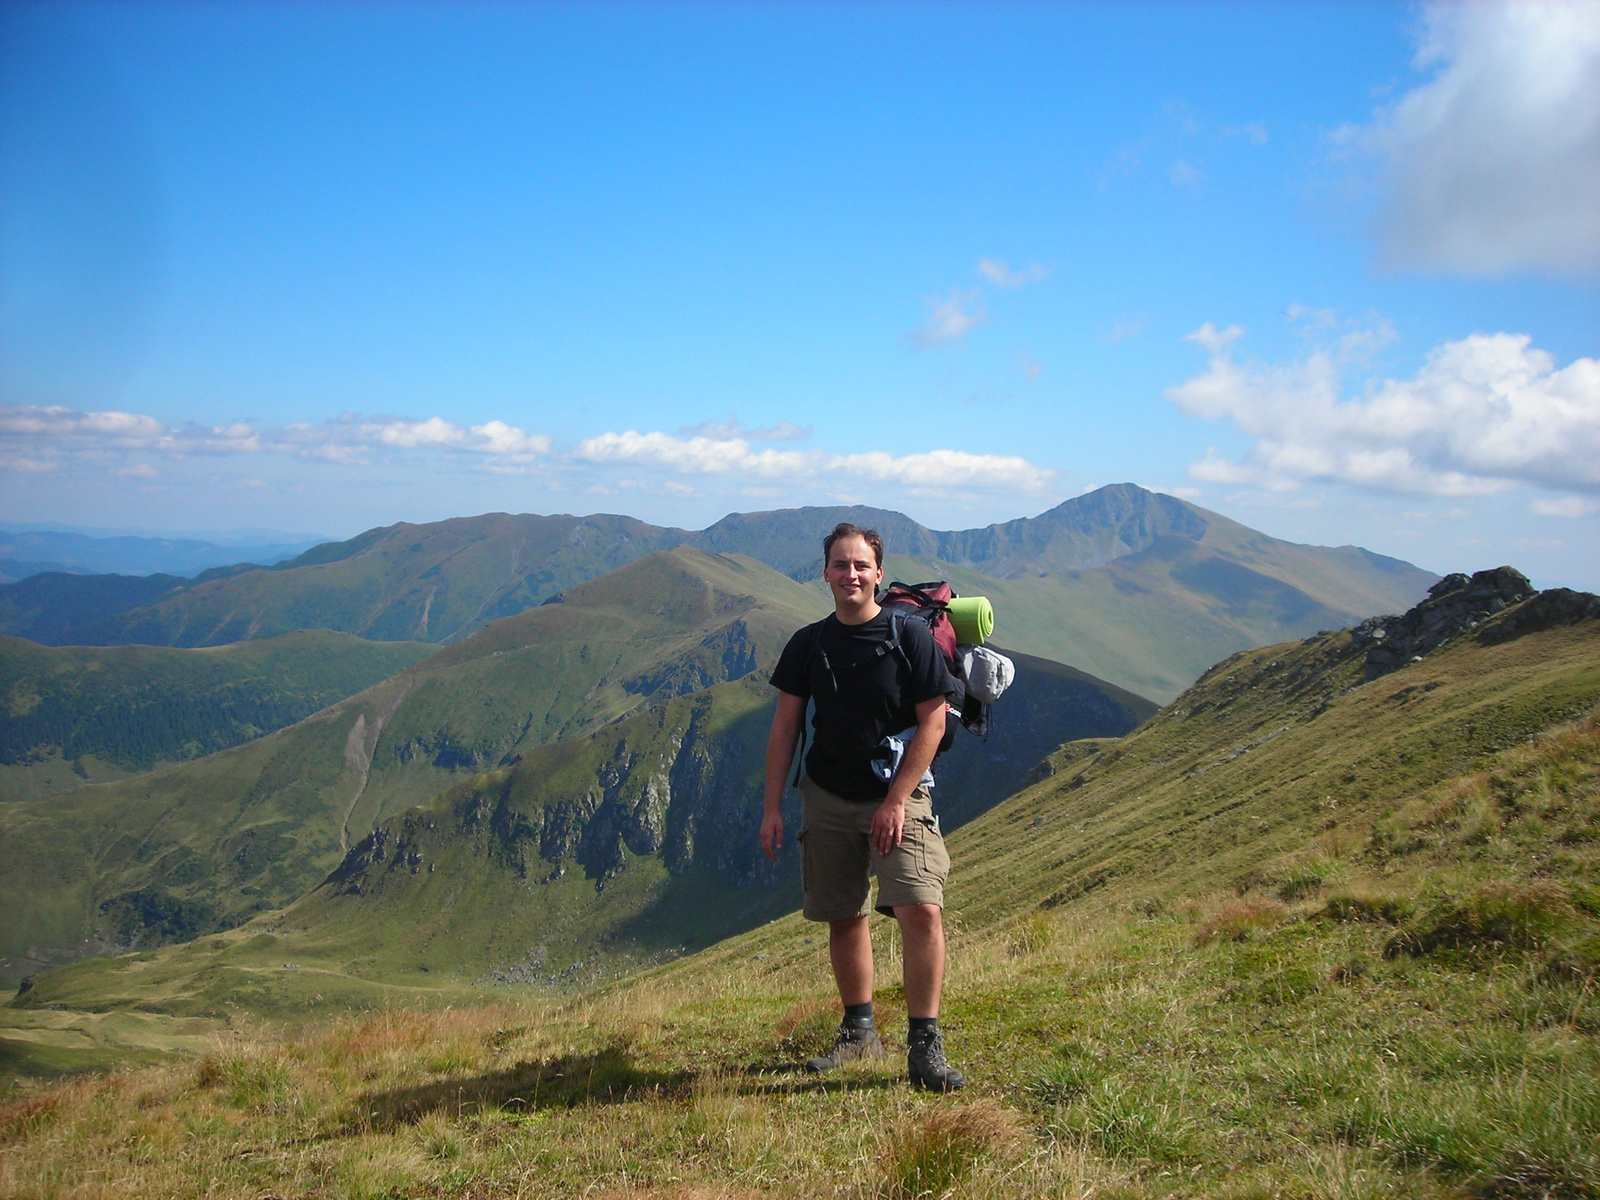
{"x":928,"y":1066}
{"x":849,"y":1042}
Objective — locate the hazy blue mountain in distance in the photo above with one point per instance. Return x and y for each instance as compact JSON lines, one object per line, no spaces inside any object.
{"x":13,"y":569}
{"x":78,"y":553}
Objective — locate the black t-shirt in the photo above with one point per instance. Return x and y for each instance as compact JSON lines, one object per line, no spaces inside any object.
{"x":861,"y":695}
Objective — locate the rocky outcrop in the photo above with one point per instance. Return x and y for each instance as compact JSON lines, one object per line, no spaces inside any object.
{"x":1455,"y":605}
{"x":1548,"y":609}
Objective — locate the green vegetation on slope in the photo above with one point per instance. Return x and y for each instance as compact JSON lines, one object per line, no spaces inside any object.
{"x":197,"y":847}
{"x":1303,"y":935}
{"x":78,"y":715}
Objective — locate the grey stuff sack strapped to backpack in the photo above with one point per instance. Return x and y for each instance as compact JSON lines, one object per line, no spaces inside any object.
{"x":988,"y":673}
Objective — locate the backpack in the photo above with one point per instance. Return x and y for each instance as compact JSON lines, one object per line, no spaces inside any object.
{"x":990,"y":672}
{"x":967,"y":665}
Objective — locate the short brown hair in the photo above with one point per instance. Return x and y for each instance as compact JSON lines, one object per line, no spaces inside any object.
{"x":843,"y":530}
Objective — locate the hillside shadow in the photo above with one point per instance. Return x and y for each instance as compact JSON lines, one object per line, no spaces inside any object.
{"x":607,"y":1076}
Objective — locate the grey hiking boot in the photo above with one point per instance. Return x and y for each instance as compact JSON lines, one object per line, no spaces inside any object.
{"x":849,"y":1042}
{"x":927,"y":1064}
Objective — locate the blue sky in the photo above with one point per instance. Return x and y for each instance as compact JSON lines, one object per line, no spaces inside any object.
{"x":1326,"y":269}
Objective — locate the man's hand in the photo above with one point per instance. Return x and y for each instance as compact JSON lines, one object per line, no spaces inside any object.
{"x":888,"y":823}
{"x":772,"y":834}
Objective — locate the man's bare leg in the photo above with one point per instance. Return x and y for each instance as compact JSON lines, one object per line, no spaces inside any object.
{"x":922,"y":930}
{"x":922,"y":933}
{"x":850,"y":951}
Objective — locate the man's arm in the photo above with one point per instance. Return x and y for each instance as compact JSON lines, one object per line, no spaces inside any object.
{"x":786,"y":725}
{"x":890,"y":819}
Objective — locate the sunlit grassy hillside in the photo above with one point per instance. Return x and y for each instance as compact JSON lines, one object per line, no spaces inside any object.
{"x":1301,"y":935}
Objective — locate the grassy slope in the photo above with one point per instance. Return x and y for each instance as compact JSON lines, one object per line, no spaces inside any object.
{"x":80,"y":715}
{"x":204,"y":844}
{"x":1350,"y":959}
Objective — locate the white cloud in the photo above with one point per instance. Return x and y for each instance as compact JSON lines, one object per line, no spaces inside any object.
{"x":1483,"y":414}
{"x":735,"y":456}
{"x":949,"y":320}
{"x":1566,"y":506}
{"x":692,"y":455}
{"x":999,"y":273}
{"x":783,"y":431}
{"x":351,"y":439}
{"x":1214,"y":339}
{"x":1493,"y":164}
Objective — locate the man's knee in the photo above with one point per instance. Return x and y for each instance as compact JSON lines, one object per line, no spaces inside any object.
{"x":919,"y":919}
{"x":846,"y":929}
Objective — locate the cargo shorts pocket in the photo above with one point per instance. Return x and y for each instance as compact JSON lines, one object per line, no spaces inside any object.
{"x":933,"y":860}
{"x":805,"y":860}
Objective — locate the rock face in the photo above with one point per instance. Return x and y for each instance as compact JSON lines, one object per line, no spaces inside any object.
{"x":1455,"y":605}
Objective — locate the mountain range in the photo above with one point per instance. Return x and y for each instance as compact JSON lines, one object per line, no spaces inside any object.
{"x":1139,"y":588}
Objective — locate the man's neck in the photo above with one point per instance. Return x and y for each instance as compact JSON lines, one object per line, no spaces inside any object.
{"x":857,"y":616}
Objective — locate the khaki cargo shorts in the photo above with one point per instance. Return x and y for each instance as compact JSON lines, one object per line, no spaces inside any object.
{"x":836,"y":855}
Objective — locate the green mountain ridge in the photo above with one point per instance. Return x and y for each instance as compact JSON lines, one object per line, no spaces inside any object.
{"x":80,"y":715}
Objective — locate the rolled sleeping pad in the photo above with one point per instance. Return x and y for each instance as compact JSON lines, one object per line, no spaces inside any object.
{"x":973,"y":619}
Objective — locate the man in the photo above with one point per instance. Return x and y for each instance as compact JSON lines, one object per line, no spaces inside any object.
{"x":852,"y":819}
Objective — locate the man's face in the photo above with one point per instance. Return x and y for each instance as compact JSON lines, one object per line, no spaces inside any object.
{"x":853,"y":573}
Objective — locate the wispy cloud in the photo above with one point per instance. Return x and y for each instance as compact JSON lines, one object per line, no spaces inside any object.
{"x":1483,"y":414}
{"x":1493,"y":164}
{"x":998,"y":273}
{"x":736,"y":456}
{"x":1182,"y":174}
{"x":948,"y":320}
{"x":1126,"y":328}
{"x":1254,"y":131}
{"x":51,"y":433}
{"x":732,"y":427}
{"x":1566,"y":506}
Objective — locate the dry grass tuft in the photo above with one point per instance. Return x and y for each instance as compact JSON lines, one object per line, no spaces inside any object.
{"x":22,"y":1118}
{"x":1034,"y":933}
{"x":928,"y":1157}
{"x":1236,"y":922}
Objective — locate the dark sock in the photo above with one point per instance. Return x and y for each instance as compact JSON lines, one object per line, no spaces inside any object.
{"x":859,"y":1015}
{"x":923,"y":1025}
